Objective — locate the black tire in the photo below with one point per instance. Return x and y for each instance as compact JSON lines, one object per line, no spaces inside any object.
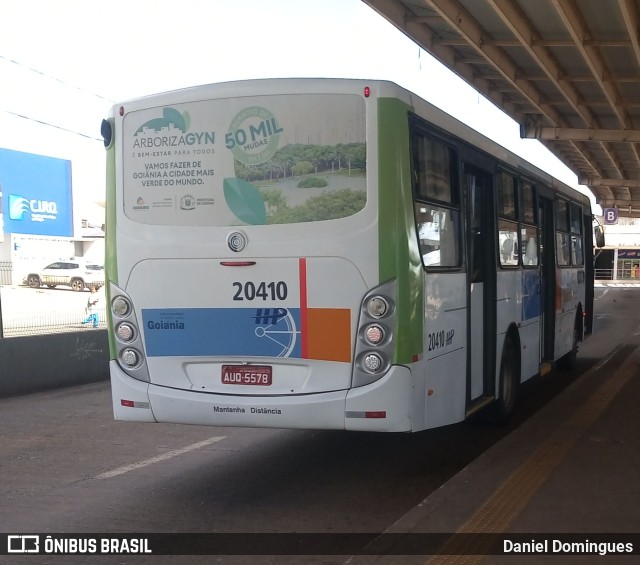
{"x":33,"y":281}
{"x":568,"y":362}
{"x":509,"y":382}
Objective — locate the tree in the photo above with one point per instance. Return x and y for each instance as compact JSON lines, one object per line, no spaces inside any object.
{"x":302,"y":168}
{"x":273,"y":199}
{"x":329,"y":206}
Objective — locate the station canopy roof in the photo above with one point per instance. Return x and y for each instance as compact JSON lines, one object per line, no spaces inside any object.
{"x":568,"y":71}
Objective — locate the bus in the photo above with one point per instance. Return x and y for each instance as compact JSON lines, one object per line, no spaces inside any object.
{"x":331,"y":254}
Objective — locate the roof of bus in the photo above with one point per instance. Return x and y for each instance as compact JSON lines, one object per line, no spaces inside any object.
{"x":378,"y":88}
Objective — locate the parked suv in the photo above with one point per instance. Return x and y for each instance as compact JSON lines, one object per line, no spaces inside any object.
{"x":76,"y":274}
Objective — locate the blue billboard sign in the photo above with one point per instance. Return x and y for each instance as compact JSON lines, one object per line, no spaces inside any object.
{"x":36,"y":194}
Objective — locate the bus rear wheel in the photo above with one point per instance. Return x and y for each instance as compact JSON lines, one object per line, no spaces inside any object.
{"x":508,"y":383}
{"x":568,"y":362}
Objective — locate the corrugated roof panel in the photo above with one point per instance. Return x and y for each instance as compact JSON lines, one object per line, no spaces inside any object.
{"x":568,"y":71}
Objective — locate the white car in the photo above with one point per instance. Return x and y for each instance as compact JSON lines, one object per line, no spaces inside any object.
{"x":76,"y":274}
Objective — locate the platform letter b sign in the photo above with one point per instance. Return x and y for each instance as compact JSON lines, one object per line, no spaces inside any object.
{"x":610,"y":216}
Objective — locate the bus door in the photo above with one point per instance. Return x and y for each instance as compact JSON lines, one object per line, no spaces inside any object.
{"x":547,"y":278}
{"x":478,"y":189}
{"x":589,"y":268}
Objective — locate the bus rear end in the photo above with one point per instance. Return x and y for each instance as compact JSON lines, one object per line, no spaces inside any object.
{"x":243,"y":259}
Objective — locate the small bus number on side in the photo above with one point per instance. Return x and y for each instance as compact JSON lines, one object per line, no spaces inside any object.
{"x":440,"y":339}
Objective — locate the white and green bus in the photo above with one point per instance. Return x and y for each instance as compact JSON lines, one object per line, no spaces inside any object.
{"x":331,"y":254}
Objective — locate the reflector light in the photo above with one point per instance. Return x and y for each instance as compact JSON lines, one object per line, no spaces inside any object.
{"x":366,"y":414}
{"x":134,"y":404}
{"x":377,"y":307}
{"x":121,"y":111}
{"x":120,"y":306}
{"x":367,"y":92}
{"x":130,"y":357}
{"x":374,"y":335}
{"x":372,"y":362}
{"x":125,"y":332}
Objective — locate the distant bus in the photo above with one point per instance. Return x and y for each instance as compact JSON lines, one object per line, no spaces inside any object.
{"x":331,"y":254}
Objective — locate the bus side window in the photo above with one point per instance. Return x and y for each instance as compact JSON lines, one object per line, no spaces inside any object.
{"x":436,"y":202}
{"x":563,"y":251}
{"x":531,"y":254}
{"x":563,"y":238}
{"x":438,"y":230}
{"x":529,"y":246}
{"x":508,"y":237}
{"x":576,"y":250}
{"x":577,"y":257}
{"x":509,"y":246}
{"x":528,"y":228}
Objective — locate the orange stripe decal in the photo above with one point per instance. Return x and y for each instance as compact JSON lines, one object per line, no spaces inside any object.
{"x":329,"y":336}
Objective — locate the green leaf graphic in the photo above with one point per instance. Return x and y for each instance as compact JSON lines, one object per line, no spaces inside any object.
{"x":245,"y":201}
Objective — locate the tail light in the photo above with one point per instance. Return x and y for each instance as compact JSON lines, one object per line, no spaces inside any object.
{"x":374,"y":334}
{"x":375,"y":343}
{"x":128,"y":340}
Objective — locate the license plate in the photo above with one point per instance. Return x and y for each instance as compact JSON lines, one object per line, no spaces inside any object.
{"x":259,"y":375}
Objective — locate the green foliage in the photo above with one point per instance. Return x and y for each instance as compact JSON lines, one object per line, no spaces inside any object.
{"x":302,"y":168}
{"x":329,"y":206}
{"x":297,"y":159}
{"x":313,"y":182}
{"x":273,"y":198}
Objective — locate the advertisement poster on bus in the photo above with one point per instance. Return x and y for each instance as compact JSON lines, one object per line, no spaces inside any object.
{"x":246,"y":161}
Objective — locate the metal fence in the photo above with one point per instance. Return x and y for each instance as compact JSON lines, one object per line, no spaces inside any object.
{"x":25,"y":311}
{"x":626,"y":275}
{"x":5,"y":272}
{"x":48,"y":323}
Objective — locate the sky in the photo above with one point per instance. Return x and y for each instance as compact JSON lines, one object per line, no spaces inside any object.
{"x":64,"y":63}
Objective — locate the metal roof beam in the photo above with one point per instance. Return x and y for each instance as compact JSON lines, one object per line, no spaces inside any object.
{"x":574,"y":23}
{"x":531,"y":131}
{"x":457,"y":17}
{"x":576,"y":27}
{"x":530,"y":67}
{"x":631,"y":18}
{"x":519,"y":25}
{"x":541,"y":42}
{"x":517,"y":22}
{"x":629,"y":183}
